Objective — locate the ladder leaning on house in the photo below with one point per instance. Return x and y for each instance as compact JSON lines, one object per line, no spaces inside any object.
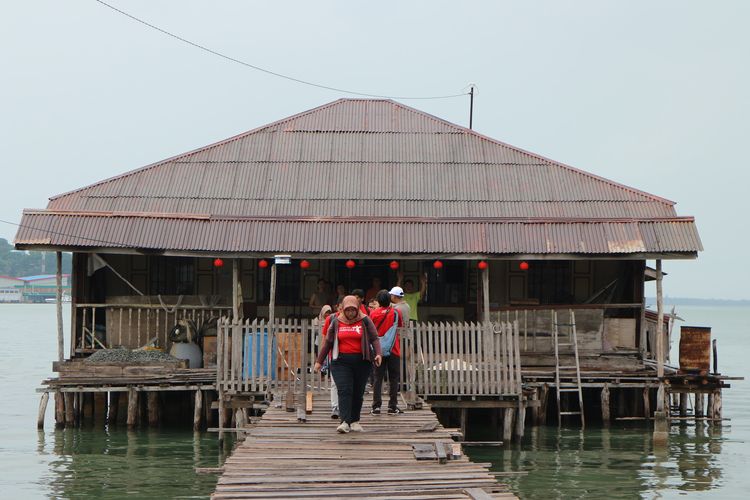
{"x":567,"y":340}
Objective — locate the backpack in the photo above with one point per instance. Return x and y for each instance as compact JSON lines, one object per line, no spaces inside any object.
{"x":389,"y":338}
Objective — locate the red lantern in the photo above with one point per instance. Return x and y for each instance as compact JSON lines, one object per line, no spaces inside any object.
{"x":262,"y":263}
{"x":394,"y":265}
{"x":482,"y":265}
{"x":523,"y":266}
{"x":218,"y":263}
{"x":437,"y":264}
{"x":304,"y":264}
{"x":350,"y":264}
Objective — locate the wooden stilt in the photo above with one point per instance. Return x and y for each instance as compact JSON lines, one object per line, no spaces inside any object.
{"x":133,"y":408}
{"x":209,"y":417}
{"x":544,"y":398}
{"x":100,"y":409}
{"x":508,"y":424}
{"x":464,"y":420}
{"x":59,"y":409}
{"x":683,"y":404}
{"x":42,"y":410}
{"x":699,"y":411}
{"x":647,"y":402}
{"x":716,"y":410}
{"x":222,"y":416}
{"x":520,"y":420}
{"x":87,"y":407}
{"x":153,"y":409}
{"x":661,"y":426}
{"x":114,"y":408}
{"x":606,"y":418}
{"x":77,"y":408}
{"x":69,"y":414}
{"x":198,"y":410}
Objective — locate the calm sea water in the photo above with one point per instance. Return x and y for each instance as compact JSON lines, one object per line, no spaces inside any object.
{"x":620,"y":462}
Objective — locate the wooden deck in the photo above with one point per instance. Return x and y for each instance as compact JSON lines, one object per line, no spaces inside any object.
{"x":281,"y":458}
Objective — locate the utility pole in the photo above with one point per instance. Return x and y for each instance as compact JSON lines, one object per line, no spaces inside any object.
{"x":471,"y":106}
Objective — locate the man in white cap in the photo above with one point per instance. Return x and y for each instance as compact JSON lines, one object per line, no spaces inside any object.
{"x":397,"y":298}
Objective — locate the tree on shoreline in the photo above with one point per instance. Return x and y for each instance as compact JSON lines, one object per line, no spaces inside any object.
{"x":22,"y":263}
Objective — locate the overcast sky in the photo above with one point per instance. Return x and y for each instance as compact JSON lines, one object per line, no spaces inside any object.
{"x":650,"y":94}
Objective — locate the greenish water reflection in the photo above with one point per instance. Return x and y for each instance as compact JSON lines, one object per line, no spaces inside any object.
{"x":608,"y":463}
{"x":88,"y":463}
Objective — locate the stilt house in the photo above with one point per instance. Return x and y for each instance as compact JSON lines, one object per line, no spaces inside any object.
{"x":351,"y":187}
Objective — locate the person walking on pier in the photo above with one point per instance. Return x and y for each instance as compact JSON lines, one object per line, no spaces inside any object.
{"x":324,"y":319}
{"x":387,"y":320}
{"x":352,"y":337}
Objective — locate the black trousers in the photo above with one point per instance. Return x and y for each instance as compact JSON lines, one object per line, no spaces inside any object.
{"x":350,"y":372}
{"x":393,"y":365}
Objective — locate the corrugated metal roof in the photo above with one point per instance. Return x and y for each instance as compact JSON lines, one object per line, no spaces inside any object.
{"x":374,"y":160}
{"x":448,"y":236}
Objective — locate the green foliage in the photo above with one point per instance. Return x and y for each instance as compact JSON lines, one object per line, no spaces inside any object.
{"x":20,"y":263}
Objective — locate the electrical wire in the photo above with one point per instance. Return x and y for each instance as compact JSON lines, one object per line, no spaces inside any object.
{"x":264,"y":70}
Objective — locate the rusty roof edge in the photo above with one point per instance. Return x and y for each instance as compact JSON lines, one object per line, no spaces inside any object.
{"x":360,"y":220}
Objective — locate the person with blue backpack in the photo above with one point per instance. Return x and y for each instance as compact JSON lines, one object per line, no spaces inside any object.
{"x":387,"y":320}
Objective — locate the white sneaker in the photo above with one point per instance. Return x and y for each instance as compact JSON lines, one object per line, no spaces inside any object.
{"x":355,"y":427}
{"x":343,"y":428}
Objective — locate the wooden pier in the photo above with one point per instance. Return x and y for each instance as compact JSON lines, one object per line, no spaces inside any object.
{"x":409,"y":456}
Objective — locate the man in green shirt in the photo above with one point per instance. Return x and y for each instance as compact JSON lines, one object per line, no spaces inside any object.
{"x":412,"y":296}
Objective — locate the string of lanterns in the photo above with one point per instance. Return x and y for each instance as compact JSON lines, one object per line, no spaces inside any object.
{"x":394,"y":264}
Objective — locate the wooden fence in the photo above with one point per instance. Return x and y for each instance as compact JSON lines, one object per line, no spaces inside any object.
{"x":100,"y":326}
{"x":438,"y":359}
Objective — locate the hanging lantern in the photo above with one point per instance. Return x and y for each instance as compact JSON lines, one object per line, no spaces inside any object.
{"x":482,"y":265}
{"x":262,"y":263}
{"x":350,"y":264}
{"x":394,"y":264}
{"x":437,"y":264}
{"x":523,"y":266}
{"x":218,"y":263}
{"x":304,"y":264}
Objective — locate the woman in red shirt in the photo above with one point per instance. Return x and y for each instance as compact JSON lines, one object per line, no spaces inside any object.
{"x":350,"y":336}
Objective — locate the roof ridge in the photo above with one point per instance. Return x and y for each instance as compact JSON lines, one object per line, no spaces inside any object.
{"x":397,"y":104}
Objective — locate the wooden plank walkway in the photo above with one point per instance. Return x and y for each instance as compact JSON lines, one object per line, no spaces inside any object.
{"x":281,"y":458}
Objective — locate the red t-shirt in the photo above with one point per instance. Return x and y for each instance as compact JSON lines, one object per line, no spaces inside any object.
{"x":350,"y":337}
{"x":364,"y":309}
{"x":383,"y":318}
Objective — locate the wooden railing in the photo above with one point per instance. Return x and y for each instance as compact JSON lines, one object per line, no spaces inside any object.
{"x":437,"y":359}
{"x":100,"y":326}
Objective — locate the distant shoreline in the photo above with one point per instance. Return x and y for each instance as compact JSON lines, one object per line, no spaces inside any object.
{"x":685,"y":301}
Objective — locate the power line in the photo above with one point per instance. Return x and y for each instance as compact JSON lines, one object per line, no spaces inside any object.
{"x":264,"y":70}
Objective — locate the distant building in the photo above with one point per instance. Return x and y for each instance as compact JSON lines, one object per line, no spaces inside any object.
{"x":43,"y":286}
{"x":10,"y":289}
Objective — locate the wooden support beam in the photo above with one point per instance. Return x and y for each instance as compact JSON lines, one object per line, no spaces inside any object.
{"x":606,"y":417}
{"x":42,"y":411}
{"x":133,"y":408}
{"x":198,"y":410}
{"x":309,"y":402}
{"x":60,"y":335}
{"x":647,"y":402}
{"x":486,"y":295}
{"x":683,"y":398}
